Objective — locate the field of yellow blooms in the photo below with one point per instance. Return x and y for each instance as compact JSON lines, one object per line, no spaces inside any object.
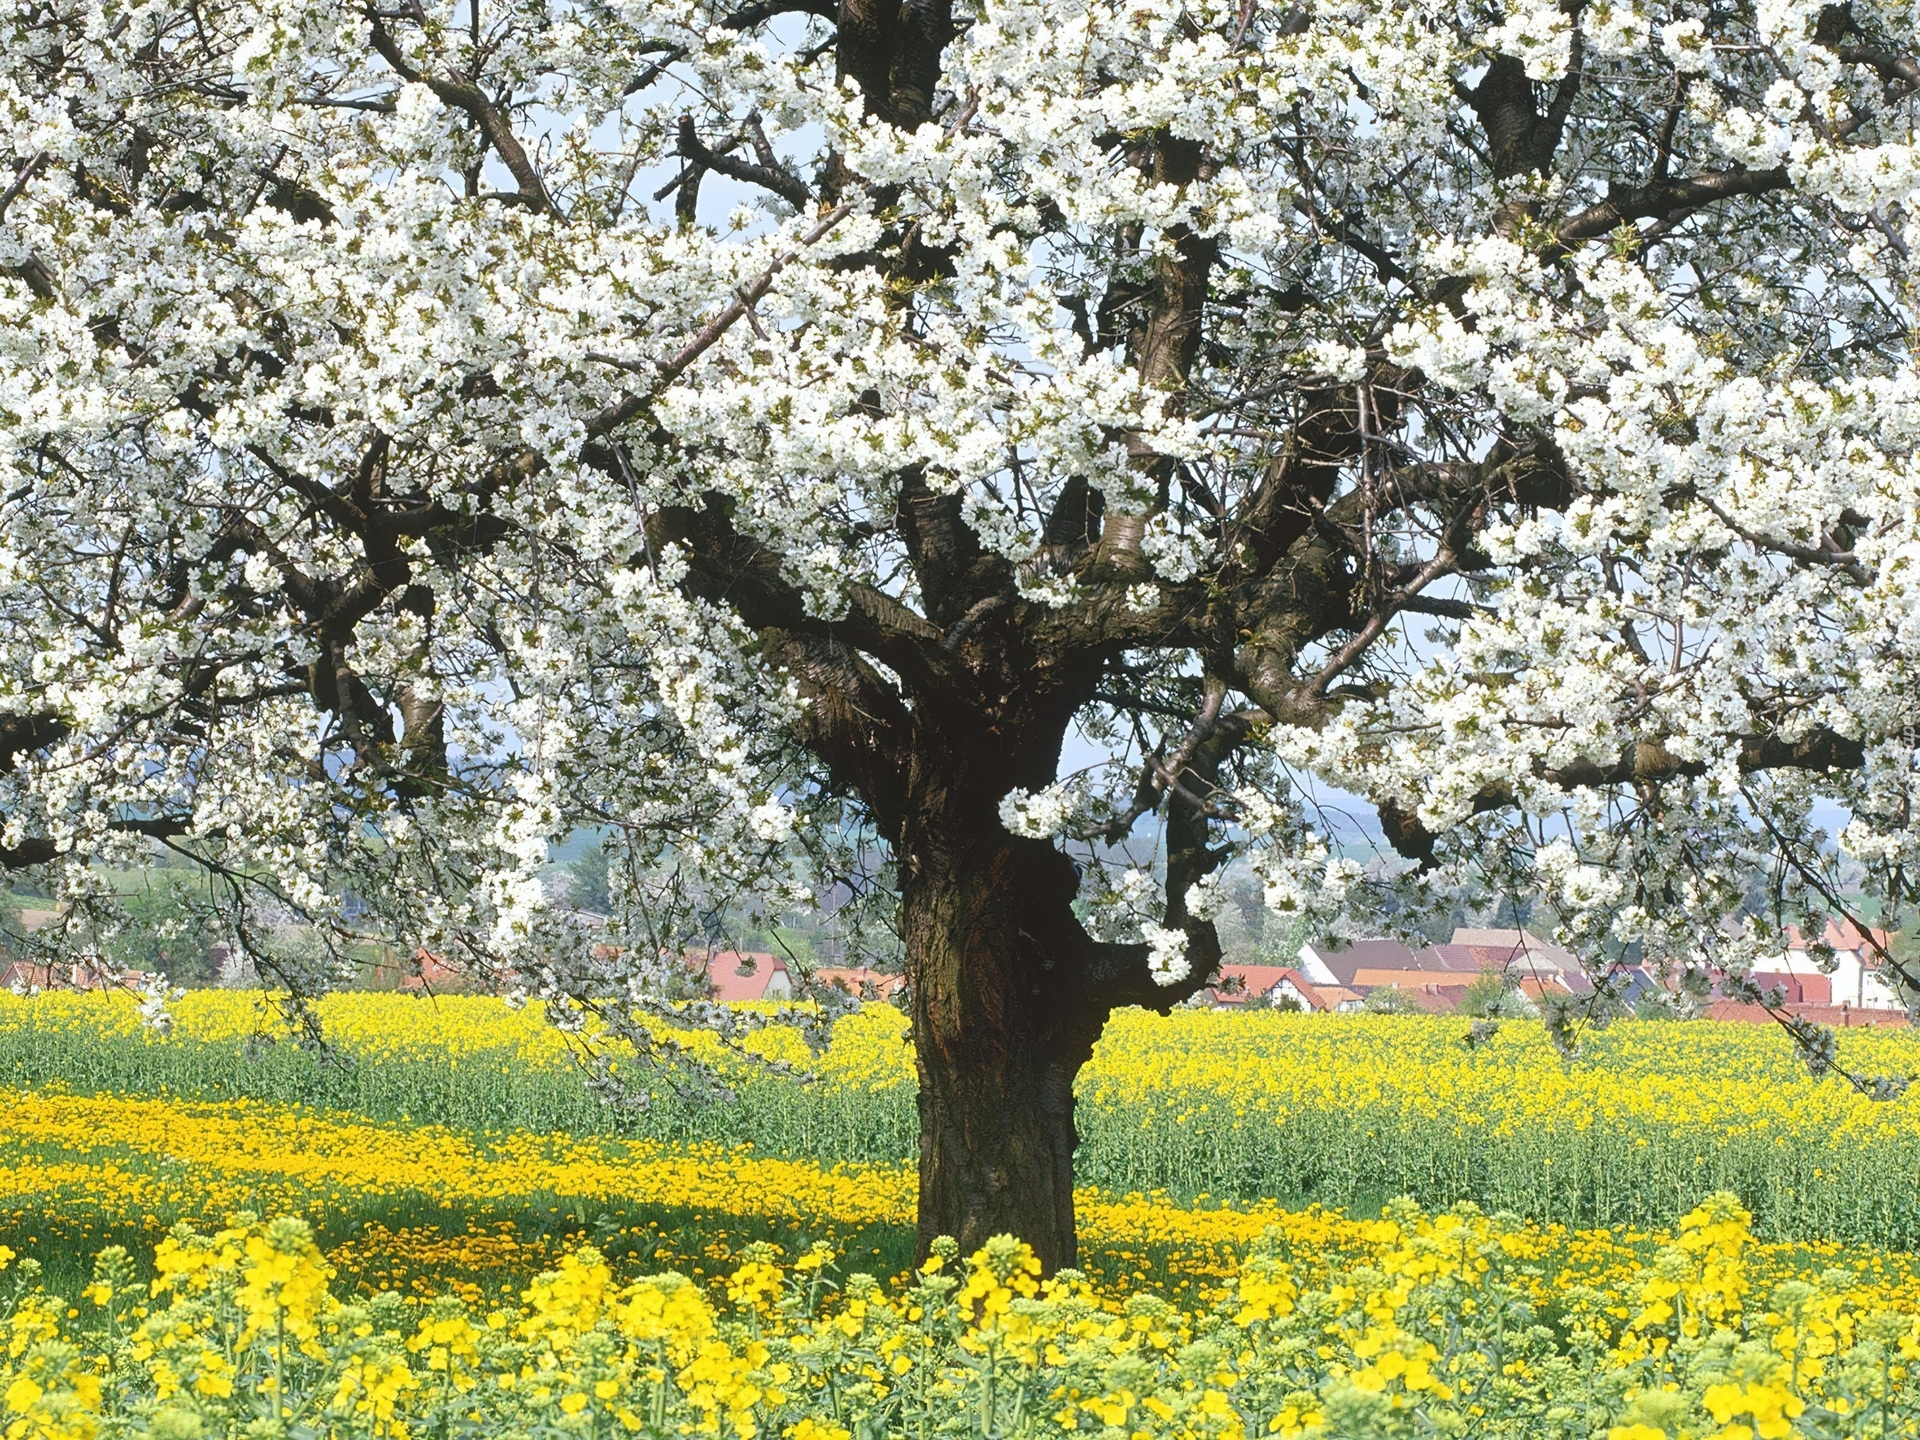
{"x":464,"y":1242}
{"x":423,"y":1208}
{"x":1345,"y":1111}
{"x":1428,"y":1326}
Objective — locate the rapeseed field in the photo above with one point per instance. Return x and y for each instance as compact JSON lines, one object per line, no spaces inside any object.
{"x":1426,"y":1325}
{"x":1344,"y":1111}
{"x":416,"y":1206}
{"x":433,"y":1228}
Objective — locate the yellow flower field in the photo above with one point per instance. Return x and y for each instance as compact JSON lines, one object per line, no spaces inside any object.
{"x":492,"y":1279}
{"x":79,"y":1169}
{"x":1428,"y":1327}
{"x":1340,"y":1110}
{"x":386,"y":1027}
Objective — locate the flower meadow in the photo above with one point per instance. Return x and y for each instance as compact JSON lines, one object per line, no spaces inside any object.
{"x":214,"y":1232}
{"x":424,"y":1207}
{"x":1428,"y":1326}
{"x":1347,"y":1111}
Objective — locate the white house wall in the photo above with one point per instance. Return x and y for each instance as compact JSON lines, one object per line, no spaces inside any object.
{"x":1314,"y":968}
{"x":1855,"y":983}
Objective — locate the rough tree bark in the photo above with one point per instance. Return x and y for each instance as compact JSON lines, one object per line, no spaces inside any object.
{"x":1009,"y":992}
{"x":998,"y":1038}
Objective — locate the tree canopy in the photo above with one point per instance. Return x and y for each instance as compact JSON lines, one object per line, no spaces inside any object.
{"x":766,"y":432}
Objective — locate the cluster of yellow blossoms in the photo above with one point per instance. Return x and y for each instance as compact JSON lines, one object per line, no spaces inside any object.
{"x":1429,"y":1331}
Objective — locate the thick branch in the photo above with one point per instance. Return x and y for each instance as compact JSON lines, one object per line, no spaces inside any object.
{"x":955,"y":574}
{"x":766,"y":176}
{"x":39,"y":850}
{"x":484,"y":113}
{"x":748,"y":16}
{"x":1519,"y":138}
{"x":1890,"y":65}
{"x":892,"y":52}
{"x":854,"y":722}
{"x":1645,"y":762}
{"x":22,"y":734}
{"x":1842,"y":560}
{"x":1662,"y":198}
{"x":736,"y":570}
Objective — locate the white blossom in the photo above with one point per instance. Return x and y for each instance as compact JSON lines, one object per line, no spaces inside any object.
{"x":1166,"y":954}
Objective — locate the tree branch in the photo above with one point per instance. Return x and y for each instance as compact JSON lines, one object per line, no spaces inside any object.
{"x":1891,"y":66}
{"x":23,"y":733}
{"x":1645,"y":762}
{"x":1842,"y":560}
{"x":40,"y":850}
{"x":766,"y":176}
{"x":484,"y":113}
{"x":748,"y":16}
{"x":1661,"y":198}
{"x":673,"y":367}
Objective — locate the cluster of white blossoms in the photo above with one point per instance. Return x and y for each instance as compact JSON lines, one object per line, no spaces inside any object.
{"x":367,"y":415}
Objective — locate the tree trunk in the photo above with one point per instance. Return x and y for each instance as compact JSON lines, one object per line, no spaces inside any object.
{"x":1002,"y":1022}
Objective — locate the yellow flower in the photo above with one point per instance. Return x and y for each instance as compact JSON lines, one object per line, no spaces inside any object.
{"x":283,"y":1279}
{"x":667,"y":1310}
{"x":818,"y":1256}
{"x":569,"y":1301}
{"x":755,"y":1285}
{"x":1772,"y":1406}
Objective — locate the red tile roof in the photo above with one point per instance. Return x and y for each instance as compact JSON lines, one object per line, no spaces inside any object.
{"x":27,"y":974}
{"x":1836,"y":1015}
{"x":857,"y":981}
{"x":742,"y":975}
{"x":1801,"y":989}
{"x":1843,"y":935}
{"x":77,"y":976}
{"x":1258,"y":981}
{"x":1364,"y":954}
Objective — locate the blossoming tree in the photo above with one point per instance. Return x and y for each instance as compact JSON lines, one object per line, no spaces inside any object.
{"x":1505,"y":414}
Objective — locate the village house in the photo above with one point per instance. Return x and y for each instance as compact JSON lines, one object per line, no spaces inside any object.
{"x":1858,"y":981}
{"x":862,"y":982}
{"x":28,"y":976}
{"x":425,"y":973}
{"x":1276,"y":984}
{"x":1324,"y":965}
{"x":1437,"y":977}
{"x":432,"y":974}
{"x":1840,"y":1017}
{"x":736,"y":975}
{"x":1434,"y":993}
{"x":1525,"y":956}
